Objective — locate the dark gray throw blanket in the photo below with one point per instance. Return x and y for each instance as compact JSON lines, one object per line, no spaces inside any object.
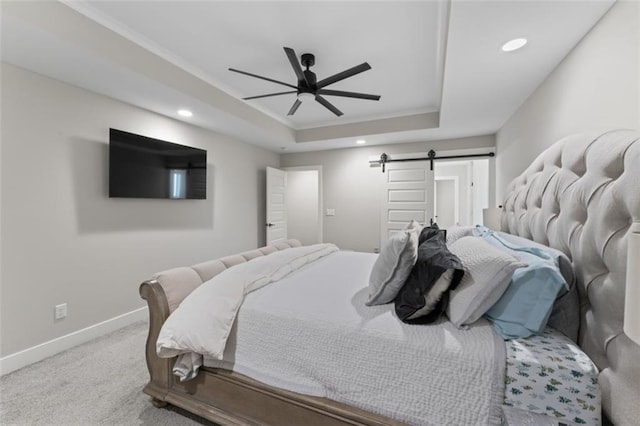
{"x":424,"y":296}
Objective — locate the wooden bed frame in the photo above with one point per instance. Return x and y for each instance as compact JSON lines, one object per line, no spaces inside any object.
{"x":229,"y":398}
{"x":563,"y":200}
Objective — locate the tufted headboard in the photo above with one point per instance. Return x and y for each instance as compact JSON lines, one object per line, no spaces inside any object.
{"x":581,"y":196}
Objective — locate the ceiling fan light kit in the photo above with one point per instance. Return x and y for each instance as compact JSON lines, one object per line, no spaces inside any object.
{"x":306,"y":96}
{"x":309,"y":87}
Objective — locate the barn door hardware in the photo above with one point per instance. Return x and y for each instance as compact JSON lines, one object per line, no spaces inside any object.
{"x":431,"y":156}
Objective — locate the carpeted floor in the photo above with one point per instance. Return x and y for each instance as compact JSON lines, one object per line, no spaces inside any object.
{"x":97,"y":383}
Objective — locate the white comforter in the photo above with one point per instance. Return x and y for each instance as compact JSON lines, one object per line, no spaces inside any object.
{"x":202,"y":322}
{"x":311,"y":333}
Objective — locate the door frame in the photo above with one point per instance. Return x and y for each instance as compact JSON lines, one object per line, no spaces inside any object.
{"x":317,"y":168}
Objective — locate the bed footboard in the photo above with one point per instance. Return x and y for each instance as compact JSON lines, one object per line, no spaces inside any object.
{"x":159,"y":368}
{"x":228,"y":398}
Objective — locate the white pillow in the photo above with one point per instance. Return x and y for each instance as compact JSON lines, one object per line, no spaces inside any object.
{"x":393,"y":266}
{"x":488,"y":273}
{"x":455,"y":232}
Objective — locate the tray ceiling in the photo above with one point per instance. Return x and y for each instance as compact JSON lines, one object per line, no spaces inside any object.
{"x":436,"y":64}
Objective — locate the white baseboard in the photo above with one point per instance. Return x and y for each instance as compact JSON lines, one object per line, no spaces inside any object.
{"x":44,"y":350}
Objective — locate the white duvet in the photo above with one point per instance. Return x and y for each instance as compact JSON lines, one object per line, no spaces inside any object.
{"x":310,"y":332}
{"x":202,"y":322}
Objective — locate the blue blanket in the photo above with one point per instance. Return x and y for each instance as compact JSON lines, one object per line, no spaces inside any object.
{"x":525,"y":307}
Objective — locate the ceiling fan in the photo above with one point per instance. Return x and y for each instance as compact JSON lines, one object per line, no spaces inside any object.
{"x":309,"y":88}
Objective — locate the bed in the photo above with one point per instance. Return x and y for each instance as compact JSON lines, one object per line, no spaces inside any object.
{"x":562,"y":200}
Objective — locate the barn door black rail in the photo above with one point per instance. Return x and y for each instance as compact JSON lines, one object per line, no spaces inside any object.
{"x":431,"y":156}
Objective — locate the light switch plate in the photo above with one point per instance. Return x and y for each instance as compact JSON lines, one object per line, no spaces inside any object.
{"x":60,"y":311}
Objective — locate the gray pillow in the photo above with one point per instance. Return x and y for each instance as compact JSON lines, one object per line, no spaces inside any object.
{"x":488,"y":273}
{"x":393,"y":266}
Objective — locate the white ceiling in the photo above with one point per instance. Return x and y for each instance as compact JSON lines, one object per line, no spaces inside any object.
{"x":436,"y":64}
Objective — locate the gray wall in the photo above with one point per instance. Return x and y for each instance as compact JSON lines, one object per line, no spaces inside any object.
{"x":64,"y":240}
{"x":353,"y":188}
{"x":596,"y":87}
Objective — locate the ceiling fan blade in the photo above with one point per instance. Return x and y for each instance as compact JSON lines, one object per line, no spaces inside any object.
{"x":344,"y":74}
{"x":294,"y":107}
{"x":270,"y":94}
{"x":264,"y":78}
{"x":296,"y":65}
{"x":348,"y":94}
{"x":328,"y":105}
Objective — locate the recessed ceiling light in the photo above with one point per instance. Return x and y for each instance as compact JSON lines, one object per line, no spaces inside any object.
{"x":185,"y":112}
{"x":361,"y":141}
{"x":514,"y":44}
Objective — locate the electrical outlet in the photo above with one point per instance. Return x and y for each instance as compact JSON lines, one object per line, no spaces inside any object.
{"x":60,"y":311}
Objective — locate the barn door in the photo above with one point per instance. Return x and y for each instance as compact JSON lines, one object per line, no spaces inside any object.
{"x":407,"y":194}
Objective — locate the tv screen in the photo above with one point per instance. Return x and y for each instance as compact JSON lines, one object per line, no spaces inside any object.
{"x":142,"y":167}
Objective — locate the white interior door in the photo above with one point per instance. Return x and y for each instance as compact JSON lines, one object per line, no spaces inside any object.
{"x":276,"y":225}
{"x":407,"y":194}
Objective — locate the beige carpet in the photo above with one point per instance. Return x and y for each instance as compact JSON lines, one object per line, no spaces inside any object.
{"x":97,"y":383}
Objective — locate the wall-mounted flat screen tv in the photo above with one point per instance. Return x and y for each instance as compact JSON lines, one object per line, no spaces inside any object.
{"x":142,"y":167}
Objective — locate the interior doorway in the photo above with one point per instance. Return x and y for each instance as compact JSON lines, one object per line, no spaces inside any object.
{"x":462,"y":191}
{"x":294,"y":204}
{"x":304,"y":203}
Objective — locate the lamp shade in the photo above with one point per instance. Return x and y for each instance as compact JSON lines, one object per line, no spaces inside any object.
{"x":632,"y":296}
{"x":491,"y":217}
